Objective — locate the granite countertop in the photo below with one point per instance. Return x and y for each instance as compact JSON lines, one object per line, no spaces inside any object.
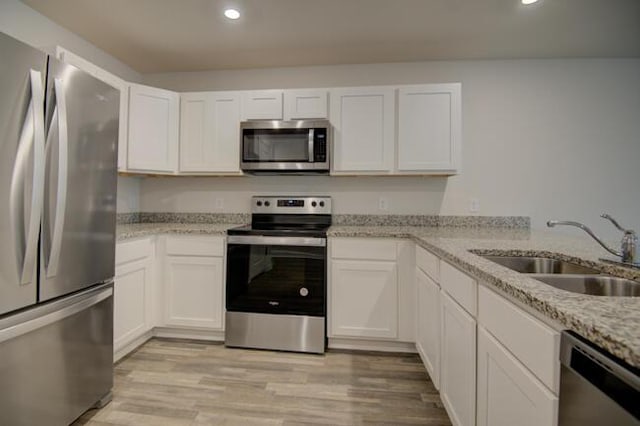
{"x":137,"y":230}
{"x":610,"y":322}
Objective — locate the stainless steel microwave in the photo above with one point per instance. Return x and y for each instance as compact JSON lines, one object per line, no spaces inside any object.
{"x":285,"y":146}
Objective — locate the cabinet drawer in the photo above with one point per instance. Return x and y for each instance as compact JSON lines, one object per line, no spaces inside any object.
{"x":428,"y":263}
{"x":195,"y":246}
{"x":363,"y":248}
{"x":461,"y":287}
{"x":128,"y":251}
{"x":535,"y":344}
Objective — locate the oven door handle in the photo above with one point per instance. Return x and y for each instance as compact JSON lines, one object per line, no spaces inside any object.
{"x":259,"y":240}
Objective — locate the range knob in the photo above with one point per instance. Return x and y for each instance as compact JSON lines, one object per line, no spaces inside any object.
{"x":321,"y":203}
{"x":313,"y":204}
{"x":259,"y":203}
{"x":267,"y":204}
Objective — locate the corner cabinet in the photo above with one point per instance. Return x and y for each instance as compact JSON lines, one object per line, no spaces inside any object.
{"x":429,"y":128}
{"x":153,"y":130}
{"x":210,"y":132}
{"x":371,"y":294}
{"x":363,"y":120}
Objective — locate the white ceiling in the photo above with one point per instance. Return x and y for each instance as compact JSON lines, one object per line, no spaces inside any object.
{"x":191,"y":35}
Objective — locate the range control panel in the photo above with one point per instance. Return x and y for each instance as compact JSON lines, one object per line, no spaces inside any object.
{"x":291,"y":205}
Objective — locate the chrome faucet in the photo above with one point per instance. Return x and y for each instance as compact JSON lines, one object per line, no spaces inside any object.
{"x":627,"y":247}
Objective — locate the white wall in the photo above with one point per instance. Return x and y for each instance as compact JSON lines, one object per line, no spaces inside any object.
{"x":20,"y":21}
{"x":128,"y":194}
{"x":543,"y":138}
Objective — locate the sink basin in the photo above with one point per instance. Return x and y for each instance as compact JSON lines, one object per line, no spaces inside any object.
{"x":595,"y":285}
{"x":540,"y":265}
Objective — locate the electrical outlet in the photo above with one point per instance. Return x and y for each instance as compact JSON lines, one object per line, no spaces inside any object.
{"x":474,"y":205}
{"x":219,"y":203}
{"x":383,"y":203}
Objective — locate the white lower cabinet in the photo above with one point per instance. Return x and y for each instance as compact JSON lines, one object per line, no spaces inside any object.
{"x":193,"y":291}
{"x":194,"y":282}
{"x":428,"y":325}
{"x":133,"y":292}
{"x":508,"y":394}
{"x":364,"y":299}
{"x":458,"y":362}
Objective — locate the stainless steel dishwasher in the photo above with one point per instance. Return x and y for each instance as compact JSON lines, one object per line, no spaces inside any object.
{"x":596,"y":388}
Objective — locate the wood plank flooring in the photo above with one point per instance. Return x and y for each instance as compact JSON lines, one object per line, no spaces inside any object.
{"x":186,"y":383}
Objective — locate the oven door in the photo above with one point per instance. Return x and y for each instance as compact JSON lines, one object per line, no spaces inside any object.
{"x":276,"y":275}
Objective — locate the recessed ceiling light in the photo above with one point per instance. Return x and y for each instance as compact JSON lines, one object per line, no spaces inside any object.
{"x":529,"y":1}
{"x":234,"y":14}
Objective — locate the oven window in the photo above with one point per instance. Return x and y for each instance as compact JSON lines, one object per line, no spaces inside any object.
{"x":276,"y":279}
{"x":275,"y":145}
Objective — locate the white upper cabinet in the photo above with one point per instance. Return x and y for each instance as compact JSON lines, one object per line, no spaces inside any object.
{"x":210,"y":132}
{"x":305,"y":104}
{"x":429,"y":128}
{"x":262,"y":105}
{"x":363,"y":119}
{"x":153,"y":129}
{"x":70,"y":58}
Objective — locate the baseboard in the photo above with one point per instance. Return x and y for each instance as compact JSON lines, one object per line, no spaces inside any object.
{"x":371,"y":345}
{"x":190,"y":333}
{"x":132,"y":346}
{"x":218,"y":336}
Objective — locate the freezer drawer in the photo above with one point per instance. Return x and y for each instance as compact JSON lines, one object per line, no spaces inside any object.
{"x":57,"y":359}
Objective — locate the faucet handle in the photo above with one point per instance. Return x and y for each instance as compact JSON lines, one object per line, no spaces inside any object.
{"x":616,"y":224}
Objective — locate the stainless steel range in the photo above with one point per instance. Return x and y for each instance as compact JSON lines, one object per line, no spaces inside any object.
{"x":276,"y":286}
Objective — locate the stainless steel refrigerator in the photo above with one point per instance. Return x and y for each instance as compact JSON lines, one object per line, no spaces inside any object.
{"x":58,"y":143}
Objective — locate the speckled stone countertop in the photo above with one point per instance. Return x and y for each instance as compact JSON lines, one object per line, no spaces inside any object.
{"x":137,"y":230}
{"x":610,"y":322}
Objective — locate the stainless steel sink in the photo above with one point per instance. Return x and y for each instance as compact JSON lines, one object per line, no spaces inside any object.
{"x":595,"y":285}
{"x":569,"y":276}
{"x":540,"y":265}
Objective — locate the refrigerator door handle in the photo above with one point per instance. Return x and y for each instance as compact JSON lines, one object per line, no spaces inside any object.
{"x":32,"y":133}
{"x":61,"y":195}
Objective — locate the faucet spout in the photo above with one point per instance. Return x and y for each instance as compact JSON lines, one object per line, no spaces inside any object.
{"x":553,"y":223}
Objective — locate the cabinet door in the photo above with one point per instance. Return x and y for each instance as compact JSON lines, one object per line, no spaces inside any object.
{"x":193,"y":292}
{"x":262,"y":105}
{"x":115,"y":81}
{"x":429,"y":128}
{"x":364,"y":299}
{"x":132,"y":306}
{"x":305,"y":104}
{"x":508,"y":394}
{"x":428,"y":325}
{"x":458,"y":362}
{"x":210,"y":132}
{"x":153,"y":129}
{"x":364,"y":129}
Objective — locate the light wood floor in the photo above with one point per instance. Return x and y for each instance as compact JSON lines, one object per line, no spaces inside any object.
{"x":168,"y":382}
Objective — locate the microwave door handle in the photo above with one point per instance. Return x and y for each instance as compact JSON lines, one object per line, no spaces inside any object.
{"x":311,"y":159}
